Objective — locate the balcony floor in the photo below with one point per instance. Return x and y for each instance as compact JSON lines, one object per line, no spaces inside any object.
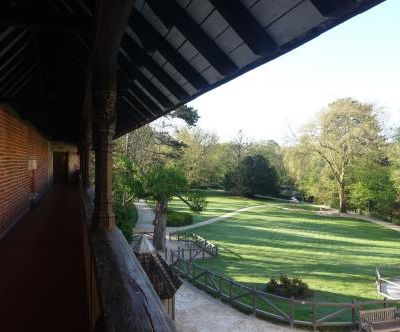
{"x":42,"y":275}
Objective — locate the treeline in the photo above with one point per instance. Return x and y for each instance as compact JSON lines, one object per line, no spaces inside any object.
{"x":342,"y":159}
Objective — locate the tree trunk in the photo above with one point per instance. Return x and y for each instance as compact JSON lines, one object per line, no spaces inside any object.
{"x":160,"y":225}
{"x":342,"y":199}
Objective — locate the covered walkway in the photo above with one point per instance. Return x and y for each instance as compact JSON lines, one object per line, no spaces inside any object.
{"x":42,"y":278}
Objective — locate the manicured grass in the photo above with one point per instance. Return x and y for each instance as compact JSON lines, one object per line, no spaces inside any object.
{"x":336,"y":256}
{"x":219,"y":203}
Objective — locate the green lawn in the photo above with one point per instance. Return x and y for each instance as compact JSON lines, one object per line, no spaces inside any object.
{"x":336,"y":256}
{"x":219,"y":203}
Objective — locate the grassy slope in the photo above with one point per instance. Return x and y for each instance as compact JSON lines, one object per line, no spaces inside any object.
{"x":219,"y":203}
{"x":336,"y":256}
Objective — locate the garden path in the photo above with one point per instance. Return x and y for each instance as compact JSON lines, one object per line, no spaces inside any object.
{"x":146,"y":217}
{"x":197,"y":311}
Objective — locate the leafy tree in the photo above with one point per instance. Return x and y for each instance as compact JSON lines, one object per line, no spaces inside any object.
{"x":345,"y":132}
{"x":256,"y":176}
{"x":372,"y":190}
{"x":259,"y":178}
{"x":163,"y":183}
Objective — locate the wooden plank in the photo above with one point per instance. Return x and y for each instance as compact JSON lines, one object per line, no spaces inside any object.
{"x":172,"y":14}
{"x":245,"y":25}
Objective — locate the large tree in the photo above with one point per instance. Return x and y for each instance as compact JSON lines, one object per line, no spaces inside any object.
{"x":163,"y":183}
{"x":347,"y":131}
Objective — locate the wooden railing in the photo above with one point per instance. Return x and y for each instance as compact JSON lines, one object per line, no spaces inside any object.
{"x":127,"y":299}
{"x":193,"y":240}
{"x":312,"y":314}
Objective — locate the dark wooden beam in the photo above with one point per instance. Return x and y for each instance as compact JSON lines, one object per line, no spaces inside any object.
{"x":172,"y":14}
{"x":37,"y":102}
{"x":140,"y":58}
{"x":138,"y":107}
{"x":152,"y":39}
{"x":245,"y":25}
{"x":333,"y":8}
{"x":14,"y":74}
{"x":49,"y":21}
{"x":131,"y":73}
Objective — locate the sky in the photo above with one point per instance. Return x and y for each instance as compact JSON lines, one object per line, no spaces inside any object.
{"x":359,"y":58}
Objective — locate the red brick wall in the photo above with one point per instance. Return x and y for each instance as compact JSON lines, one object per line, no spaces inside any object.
{"x":19,"y":143}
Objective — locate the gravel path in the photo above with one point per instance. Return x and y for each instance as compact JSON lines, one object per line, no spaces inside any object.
{"x":196,"y":311}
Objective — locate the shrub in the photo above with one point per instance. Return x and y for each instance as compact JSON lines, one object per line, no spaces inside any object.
{"x":288,"y":287}
{"x":178,"y":219}
{"x":125,"y":218}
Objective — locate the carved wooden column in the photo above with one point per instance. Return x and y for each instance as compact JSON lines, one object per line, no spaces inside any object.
{"x":104,"y":103}
{"x":86,"y":141}
{"x":111,"y":21}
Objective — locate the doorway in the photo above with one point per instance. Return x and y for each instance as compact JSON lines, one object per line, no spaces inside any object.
{"x":60,"y":167}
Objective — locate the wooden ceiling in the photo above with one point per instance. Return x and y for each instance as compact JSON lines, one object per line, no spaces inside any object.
{"x":172,"y":52}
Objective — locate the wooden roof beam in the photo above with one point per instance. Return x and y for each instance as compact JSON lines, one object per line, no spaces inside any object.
{"x":172,"y":14}
{"x":45,"y":21}
{"x":132,"y":73}
{"x":332,"y":8}
{"x":32,"y":102}
{"x":152,"y":39}
{"x":140,"y":58}
{"x":245,"y":25}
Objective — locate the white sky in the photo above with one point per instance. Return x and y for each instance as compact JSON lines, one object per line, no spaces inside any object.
{"x":360,"y":58}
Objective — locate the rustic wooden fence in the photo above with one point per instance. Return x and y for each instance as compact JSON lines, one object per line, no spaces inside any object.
{"x":193,"y":240}
{"x":312,"y":314}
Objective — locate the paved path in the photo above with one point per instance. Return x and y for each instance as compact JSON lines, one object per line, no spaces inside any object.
{"x":146,"y":217}
{"x":197,"y":311}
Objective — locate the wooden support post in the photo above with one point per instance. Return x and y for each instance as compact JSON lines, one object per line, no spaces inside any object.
{"x":314,"y":317}
{"x":111,"y":21}
{"x":254,"y":300}
{"x":354,"y":313}
{"x":291,"y":313}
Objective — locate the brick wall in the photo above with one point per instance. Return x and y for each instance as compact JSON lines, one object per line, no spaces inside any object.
{"x":22,"y":149}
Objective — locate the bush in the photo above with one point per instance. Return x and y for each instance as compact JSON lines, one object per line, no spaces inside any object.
{"x":288,"y":287}
{"x":178,"y":219}
{"x":125,"y":218}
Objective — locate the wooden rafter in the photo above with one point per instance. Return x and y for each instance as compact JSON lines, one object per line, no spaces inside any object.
{"x":142,"y":59}
{"x":45,"y":21}
{"x":151,"y":38}
{"x":246,"y":26}
{"x":171,"y":14}
{"x":132,"y":73}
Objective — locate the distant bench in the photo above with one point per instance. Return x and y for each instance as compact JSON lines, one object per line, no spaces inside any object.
{"x":386,"y":319}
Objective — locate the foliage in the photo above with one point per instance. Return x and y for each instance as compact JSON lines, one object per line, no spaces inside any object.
{"x":186,"y":113}
{"x":164,"y":182}
{"x":372,"y":190}
{"x":126,"y":218}
{"x":347,"y":131}
{"x":127,"y":181}
{"x":196,"y":200}
{"x":253,"y":176}
{"x":259,"y":178}
{"x":178,"y":219}
{"x":288,"y":287}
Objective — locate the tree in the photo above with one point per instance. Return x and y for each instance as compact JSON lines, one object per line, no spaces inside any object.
{"x":259,"y":178}
{"x":256,"y":175}
{"x":345,"y":132}
{"x":163,"y":183}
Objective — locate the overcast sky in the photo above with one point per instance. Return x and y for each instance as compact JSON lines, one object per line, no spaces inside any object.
{"x":360,"y":58}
